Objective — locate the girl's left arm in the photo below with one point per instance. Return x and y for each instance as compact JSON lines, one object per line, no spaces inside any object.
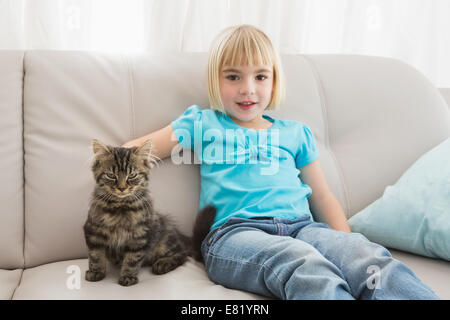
{"x":322,"y":202}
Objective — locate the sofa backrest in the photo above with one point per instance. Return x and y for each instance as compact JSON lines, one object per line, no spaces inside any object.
{"x":445,"y":92}
{"x":372,"y":118}
{"x":74,"y":97}
{"x":11,"y":160}
{"x":379,"y":115}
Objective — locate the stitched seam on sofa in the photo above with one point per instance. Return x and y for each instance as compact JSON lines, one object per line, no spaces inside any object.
{"x":131,"y":93}
{"x":323,"y":104}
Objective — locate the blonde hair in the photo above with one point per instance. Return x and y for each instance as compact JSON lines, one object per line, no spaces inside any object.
{"x":243,"y":45}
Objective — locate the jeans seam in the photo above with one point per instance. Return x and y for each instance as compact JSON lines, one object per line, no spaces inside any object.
{"x":248,"y":262}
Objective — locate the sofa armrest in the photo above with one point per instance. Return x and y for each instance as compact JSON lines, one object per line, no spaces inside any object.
{"x":446,"y":94}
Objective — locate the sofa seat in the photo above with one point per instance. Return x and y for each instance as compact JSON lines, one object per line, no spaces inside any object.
{"x":54,"y":281}
{"x":433,"y":272}
{"x":190,"y":281}
{"x":9,"y":281}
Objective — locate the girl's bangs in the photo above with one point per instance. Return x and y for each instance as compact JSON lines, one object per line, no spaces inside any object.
{"x":246,"y":49}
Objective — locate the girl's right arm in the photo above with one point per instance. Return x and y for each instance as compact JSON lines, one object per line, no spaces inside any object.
{"x":163,"y":141}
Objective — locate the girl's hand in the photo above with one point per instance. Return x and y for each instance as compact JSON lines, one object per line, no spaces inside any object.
{"x":130,"y":144}
{"x":163,"y":141}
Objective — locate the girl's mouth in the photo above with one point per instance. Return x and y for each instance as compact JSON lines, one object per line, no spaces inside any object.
{"x":246,"y":104}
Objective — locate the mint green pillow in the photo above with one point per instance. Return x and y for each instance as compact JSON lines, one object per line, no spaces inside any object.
{"x":414,"y":214}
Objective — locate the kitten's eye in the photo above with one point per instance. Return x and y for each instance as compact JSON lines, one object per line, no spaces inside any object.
{"x":132,"y":176}
{"x":111,"y":176}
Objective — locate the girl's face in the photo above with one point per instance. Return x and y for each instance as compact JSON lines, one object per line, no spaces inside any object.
{"x":246,"y":92}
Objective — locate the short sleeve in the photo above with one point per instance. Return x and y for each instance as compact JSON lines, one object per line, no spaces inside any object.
{"x":307,"y":149}
{"x":184,"y":126}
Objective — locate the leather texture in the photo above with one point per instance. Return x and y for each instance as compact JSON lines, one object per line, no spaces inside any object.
{"x":11,"y":160}
{"x":372,"y":118}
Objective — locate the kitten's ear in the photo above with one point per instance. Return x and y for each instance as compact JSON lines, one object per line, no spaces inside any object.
{"x":99,"y":148}
{"x":144,"y":149}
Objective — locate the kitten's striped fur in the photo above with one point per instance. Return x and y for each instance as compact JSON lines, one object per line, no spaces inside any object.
{"x":122,"y":225}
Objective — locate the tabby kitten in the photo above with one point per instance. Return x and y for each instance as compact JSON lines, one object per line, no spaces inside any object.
{"x":122,"y":225}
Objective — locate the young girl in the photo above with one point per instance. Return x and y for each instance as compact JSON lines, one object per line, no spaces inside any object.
{"x":264,"y":238}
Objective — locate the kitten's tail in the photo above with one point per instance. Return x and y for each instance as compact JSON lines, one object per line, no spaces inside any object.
{"x":203,"y":223}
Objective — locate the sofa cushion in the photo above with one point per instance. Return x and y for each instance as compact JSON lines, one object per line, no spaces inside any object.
{"x":9,"y":281}
{"x":69,"y":99}
{"x":65,"y":280}
{"x":414,"y":214}
{"x":74,"y":97}
{"x":432,"y":272}
{"x":11,"y":160}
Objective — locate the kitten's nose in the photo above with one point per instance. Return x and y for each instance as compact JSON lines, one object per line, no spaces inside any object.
{"x":121,"y":189}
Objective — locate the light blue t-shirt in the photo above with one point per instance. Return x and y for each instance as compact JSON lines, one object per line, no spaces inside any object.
{"x":248,"y":173}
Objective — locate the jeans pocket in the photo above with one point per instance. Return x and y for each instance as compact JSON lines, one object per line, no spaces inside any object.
{"x":211,"y":236}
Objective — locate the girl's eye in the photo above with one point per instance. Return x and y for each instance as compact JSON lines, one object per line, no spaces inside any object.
{"x":232,"y":77}
{"x":261,"y":77}
{"x":111,"y":176}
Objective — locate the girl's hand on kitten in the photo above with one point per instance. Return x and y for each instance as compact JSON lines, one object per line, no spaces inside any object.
{"x":130,"y":144}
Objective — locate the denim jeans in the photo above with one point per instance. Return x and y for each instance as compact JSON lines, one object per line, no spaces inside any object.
{"x":302,"y":259}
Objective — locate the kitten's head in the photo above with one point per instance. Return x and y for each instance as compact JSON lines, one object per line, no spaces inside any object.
{"x":122,"y":171}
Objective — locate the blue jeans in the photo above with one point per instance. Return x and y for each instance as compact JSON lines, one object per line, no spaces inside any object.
{"x":302,"y":259}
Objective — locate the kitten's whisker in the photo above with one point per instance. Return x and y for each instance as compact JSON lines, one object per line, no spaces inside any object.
{"x":97,"y":201}
{"x":135,"y":196}
{"x":154,"y":156}
{"x":105,"y":196}
{"x":140,"y":199}
{"x":146,"y":203}
{"x":155,"y":159}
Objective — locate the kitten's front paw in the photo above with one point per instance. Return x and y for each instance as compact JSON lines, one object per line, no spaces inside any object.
{"x":165,"y":265}
{"x":128,"y":280}
{"x":94,"y":275}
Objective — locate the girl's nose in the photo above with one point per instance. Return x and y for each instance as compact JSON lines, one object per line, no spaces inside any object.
{"x":247,"y":89}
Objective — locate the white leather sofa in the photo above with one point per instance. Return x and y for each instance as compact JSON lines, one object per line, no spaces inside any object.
{"x":372,"y":118}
